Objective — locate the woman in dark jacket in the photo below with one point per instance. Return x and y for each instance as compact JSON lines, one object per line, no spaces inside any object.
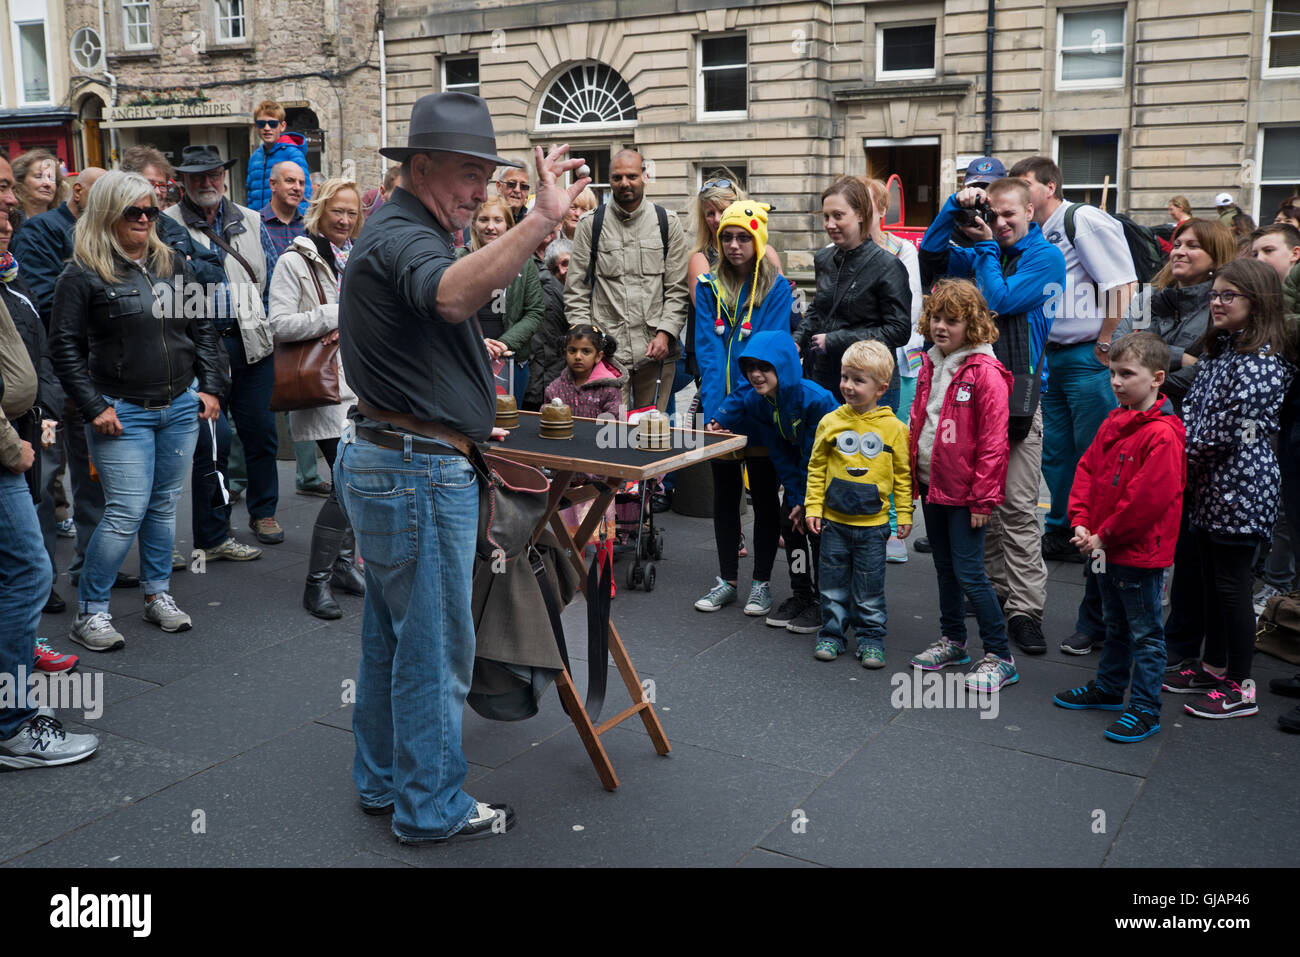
{"x":142,"y":373}
{"x":862,"y":291}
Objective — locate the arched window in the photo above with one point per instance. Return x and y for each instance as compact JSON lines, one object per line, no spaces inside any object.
{"x":589,"y":95}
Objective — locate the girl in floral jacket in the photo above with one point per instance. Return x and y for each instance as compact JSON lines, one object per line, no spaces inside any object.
{"x":1231,"y":411}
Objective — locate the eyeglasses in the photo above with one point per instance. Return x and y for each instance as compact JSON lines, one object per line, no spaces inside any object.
{"x":132,"y":214}
{"x":515,"y":185}
{"x":719,"y":183}
{"x":267,"y":124}
{"x":741,"y":239}
{"x":1227,"y":297}
{"x":159,"y":183}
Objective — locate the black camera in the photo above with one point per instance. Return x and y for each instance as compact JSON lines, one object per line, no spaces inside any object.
{"x":966,"y":215}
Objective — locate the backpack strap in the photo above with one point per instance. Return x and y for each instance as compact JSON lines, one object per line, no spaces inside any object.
{"x":1069,"y":222}
{"x":597,"y":220}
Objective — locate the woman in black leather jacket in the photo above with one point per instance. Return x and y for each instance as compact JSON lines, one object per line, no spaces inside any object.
{"x":135,"y":350}
{"x":862,"y":291}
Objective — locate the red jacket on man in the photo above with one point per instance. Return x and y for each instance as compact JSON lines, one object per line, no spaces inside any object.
{"x":1128,"y":489}
{"x":968,"y":467}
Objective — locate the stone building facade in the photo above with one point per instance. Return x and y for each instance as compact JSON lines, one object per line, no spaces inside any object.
{"x":178,"y":72}
{"x":1141,"y":98}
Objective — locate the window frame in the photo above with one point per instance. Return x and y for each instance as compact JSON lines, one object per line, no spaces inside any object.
{"x":19,"y":20}
{"x":1260,"y":182}
{"x":1105,"y":83}
{"x":147,"y":6}
{"x":1275,"y":71}
{"x":571,"y":130}
{"x":245,"y":17}
{"x":1115,"y":183}
{"x":712,"y":116}
{"x":884,"y":75}
{"x":459,"y":87}
{"x":701,"y":165}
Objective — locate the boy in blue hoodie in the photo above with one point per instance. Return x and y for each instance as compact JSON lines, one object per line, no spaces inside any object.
{"x":779,"y":405}
{"x":276,"y":146}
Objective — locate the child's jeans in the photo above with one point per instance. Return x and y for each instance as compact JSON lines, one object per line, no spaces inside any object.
{"x":959,"y":565}
{"x":851,"y":574}
{"x":1135,"y":639}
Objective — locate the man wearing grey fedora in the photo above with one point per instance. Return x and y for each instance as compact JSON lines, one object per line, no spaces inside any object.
{"x":420,"y":366}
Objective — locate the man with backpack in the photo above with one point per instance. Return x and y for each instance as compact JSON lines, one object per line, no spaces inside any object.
{"x":627,"y":277}
{"x":1100,"y":281}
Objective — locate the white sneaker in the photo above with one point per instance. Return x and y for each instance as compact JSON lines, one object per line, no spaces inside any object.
{"x":96,"y":632}
{"x":162,"y":611}
{"x":42,"y":743}
{"x":895,"y":550}
{"x":1263,"y":595}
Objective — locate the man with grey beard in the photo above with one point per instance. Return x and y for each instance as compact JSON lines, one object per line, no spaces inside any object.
{"x":239,"y":238}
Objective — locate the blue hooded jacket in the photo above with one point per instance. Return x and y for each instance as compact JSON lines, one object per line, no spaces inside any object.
{"x":717,"y":355}
{"x":290,"y":146}
{"x":786,"y":424}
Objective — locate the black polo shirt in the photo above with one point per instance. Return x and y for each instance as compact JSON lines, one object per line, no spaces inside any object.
{"x":398,"y":353}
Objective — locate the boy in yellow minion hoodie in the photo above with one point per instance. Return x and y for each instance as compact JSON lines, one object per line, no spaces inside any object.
{"x":859,"y":458}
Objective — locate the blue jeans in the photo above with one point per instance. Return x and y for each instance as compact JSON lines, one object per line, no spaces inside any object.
{"x":1077,"y":401}
{"x":142,"y":472}
{"x":1135,"y":641}
{"x":959,"y":565}
{"x":87,"y":496}
{"x":851,"y":574}
{"x":416,"y":522}
{"x":24,"y":585}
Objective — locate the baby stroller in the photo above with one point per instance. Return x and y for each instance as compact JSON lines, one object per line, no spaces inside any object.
{"x":635,"y":520}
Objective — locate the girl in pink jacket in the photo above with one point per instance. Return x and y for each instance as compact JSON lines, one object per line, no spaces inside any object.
{"x":959,"y":448}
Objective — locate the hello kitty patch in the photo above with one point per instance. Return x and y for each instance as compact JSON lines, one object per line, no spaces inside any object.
{"x":963,"y":392}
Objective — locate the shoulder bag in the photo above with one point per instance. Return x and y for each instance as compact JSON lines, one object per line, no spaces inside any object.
{"x":306,"y":372}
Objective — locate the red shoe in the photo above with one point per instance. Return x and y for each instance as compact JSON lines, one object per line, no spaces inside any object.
{"x":51,"y":661}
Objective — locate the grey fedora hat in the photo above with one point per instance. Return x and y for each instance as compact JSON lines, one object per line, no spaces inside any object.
{"x":201,"y":159}
{"x":454,"y":122}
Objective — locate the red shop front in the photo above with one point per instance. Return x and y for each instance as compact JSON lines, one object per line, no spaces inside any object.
{"x":23,"y":130}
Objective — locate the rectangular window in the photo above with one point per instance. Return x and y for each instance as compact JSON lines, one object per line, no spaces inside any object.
{"x":1090,"y":49}
{"x":1090,"y":163}
{"x":232,"y":26}
{"x":460,"y":75}
{"x":905,"y":52}
{"x":136,"y":25}
{"x":736,"y":172}
{"x":35,"y":76}
{"x":1282,"y":37}
{"x":723,"y":77}
{"x":1279,"y":173}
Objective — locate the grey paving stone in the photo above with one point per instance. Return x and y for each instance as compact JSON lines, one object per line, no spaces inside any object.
{"x":289,"y":803}
{"x":761,"y":858}
{"x":41,"y":804}
{"x":694,"y":807}
{"x":1214,"y":808}
{"x":367,"y":859}
{"x":243,"y":700}
{"x":911,"y":798}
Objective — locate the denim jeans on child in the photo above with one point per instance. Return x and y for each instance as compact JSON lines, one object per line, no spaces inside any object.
{"x":959,"y":566}
{"x":416,"y":522}
{"x":24,"y":585}
{"x":142,"y":472}
{"x":851,"y":574}
{"x":1135,"y":640}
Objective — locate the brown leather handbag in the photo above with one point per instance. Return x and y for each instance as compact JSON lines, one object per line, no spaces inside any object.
{"x":306,"y":372}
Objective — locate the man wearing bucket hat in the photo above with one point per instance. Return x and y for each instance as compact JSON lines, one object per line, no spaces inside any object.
{"x":239,"y":238}
{"x":414,"y":355}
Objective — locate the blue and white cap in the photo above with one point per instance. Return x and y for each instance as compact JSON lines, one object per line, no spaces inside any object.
{"x":984,"y":170}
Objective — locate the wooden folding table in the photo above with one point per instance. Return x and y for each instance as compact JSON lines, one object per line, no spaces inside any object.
{"x":604,"y":449}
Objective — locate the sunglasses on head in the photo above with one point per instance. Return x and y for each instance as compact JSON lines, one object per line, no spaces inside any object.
{"x":267,"y":124}
{"x":719,"y":183}
{"x":133,"y":213}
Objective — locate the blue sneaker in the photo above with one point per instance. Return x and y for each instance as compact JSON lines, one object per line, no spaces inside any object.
{"x":872,"y":657}
{"x":1089,"y":698}
{"x":1133,"y":725}
{"x":941,"y":654}
{"x":719,"y":595}
{"x":826,"y":651}
{"x":992,"y":674}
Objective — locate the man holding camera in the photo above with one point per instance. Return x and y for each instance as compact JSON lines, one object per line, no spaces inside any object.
{"x":1018,"y":272}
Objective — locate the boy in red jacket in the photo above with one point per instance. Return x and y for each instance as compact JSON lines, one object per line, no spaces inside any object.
{"x":1125,"y":506}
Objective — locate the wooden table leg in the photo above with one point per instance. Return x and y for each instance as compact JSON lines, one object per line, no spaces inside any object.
{"x":586,"y":731}
{"x":633,"y":683}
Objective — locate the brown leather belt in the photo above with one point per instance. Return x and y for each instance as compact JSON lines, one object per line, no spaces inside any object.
{"x":403,"y":420}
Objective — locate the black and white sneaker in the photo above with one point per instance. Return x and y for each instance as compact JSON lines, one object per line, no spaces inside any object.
{"x":787,"y":611}
{"x":808,"y":621}
{"x":486,"y":819}
{"x":1080,"y":644}
{"x":1228,"y":700}
{"x":1027,"y":634}
{"x":42,"y":743}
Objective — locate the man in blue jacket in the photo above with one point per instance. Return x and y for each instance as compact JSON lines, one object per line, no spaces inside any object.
{"x":277,"y":146}
{"x":783,"y":416}
{"x":1021,"y":276}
